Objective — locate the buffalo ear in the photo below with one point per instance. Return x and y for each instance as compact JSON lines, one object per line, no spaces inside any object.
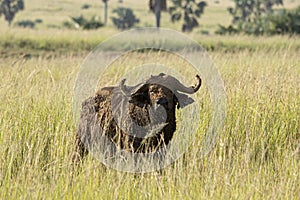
{"x":140,"y":97}
{"x":182,"y":100}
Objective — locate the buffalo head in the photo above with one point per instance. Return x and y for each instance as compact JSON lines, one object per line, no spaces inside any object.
{"x":150,"y":105}
{"x":160,"y":90}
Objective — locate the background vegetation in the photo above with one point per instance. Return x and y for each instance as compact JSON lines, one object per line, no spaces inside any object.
{"x":257,"y":155}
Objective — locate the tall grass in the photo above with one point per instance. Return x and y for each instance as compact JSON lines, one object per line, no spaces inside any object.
{"x":256,"y":156}
{"x":54,"y":43}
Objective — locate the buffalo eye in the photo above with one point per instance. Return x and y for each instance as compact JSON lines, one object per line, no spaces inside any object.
{"x":153,"y":90}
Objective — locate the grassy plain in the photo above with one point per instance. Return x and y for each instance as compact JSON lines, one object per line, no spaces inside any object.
{"x":257,"y":155}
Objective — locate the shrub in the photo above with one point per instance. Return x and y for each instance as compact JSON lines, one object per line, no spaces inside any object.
{"x":188,"y":13}
{"x":280,"y":21}
{"x":25,"y":24}
{"x":69,"y":25}
{"x":85,"y":6}
{"x":284,"y":21}
{"x":82,"y":22}
{"x":125,"y":18}
{"x":38,"y":21}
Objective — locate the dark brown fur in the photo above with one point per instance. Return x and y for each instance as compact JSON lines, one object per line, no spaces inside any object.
{"x":97,"y":111}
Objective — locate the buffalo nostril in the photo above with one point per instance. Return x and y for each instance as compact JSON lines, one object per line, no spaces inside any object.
{"x":162,"y":101}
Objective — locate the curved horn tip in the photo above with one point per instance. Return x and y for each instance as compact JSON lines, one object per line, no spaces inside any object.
{"x":196,"y":88}
{"x":123,"y":81}
{"x":123,"y":87}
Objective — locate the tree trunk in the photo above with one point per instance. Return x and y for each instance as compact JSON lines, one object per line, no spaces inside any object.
{"x":105,"y":12}
{"x":244,"y":14}
{"x":157,"y":11}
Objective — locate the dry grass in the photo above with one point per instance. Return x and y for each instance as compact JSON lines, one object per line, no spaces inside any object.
{"x":257,"y":154}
